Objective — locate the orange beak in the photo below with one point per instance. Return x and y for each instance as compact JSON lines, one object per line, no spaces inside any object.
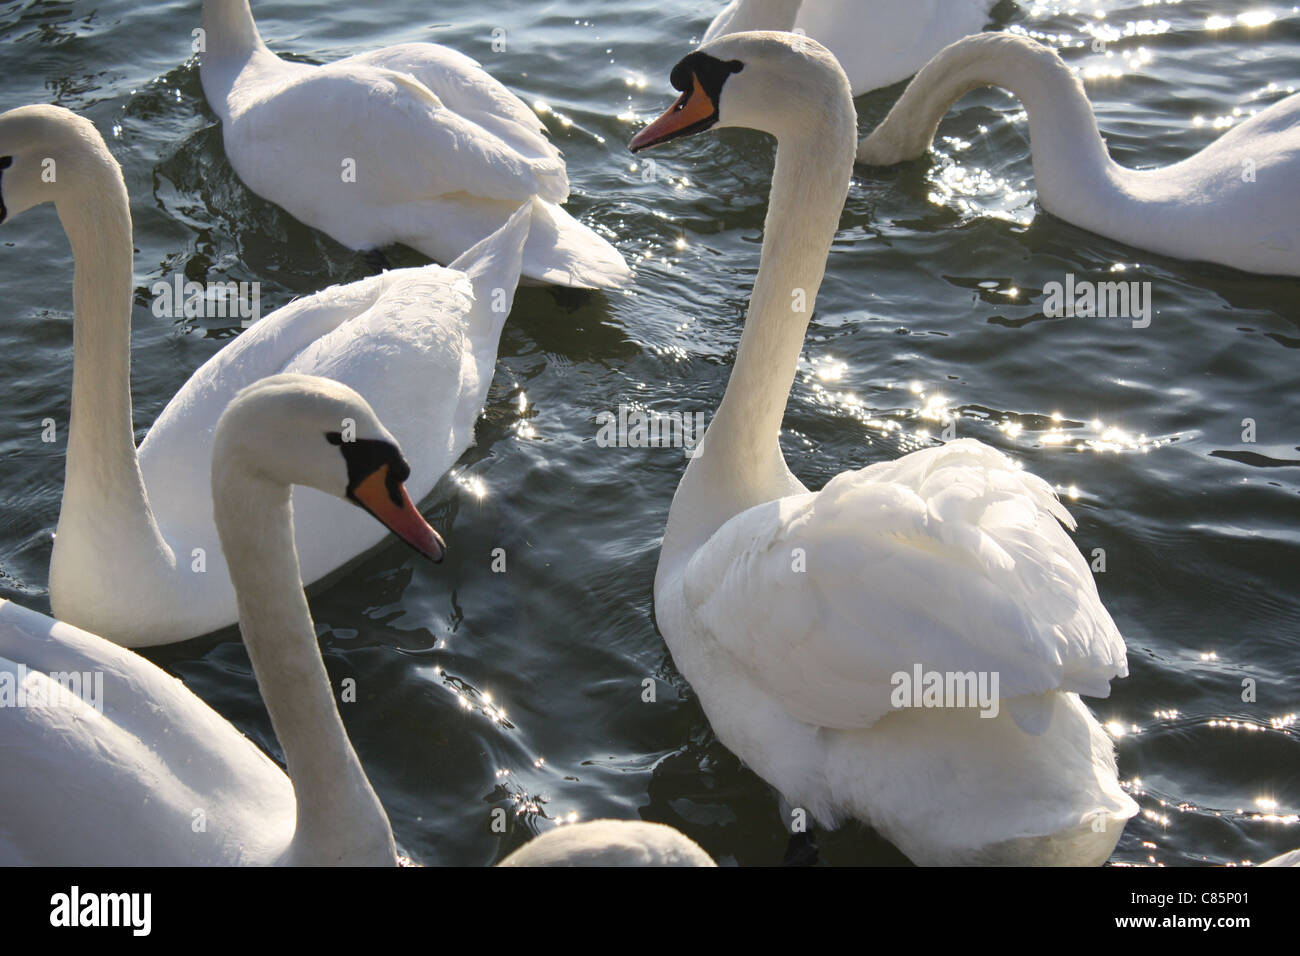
{"x":399,"y":516}
{"x":692,"y":112}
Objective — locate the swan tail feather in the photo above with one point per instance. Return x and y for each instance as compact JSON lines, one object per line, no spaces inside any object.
{"x":563,"y":251}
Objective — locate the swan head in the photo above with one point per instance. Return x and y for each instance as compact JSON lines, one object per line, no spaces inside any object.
{"x":778,"y":83}
{"x":47,"y":154}
{"x":305,"y":430}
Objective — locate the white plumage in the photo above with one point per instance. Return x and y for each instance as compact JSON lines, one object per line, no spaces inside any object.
{"x":122,"y":786}
{"x":412,"y":144}
{"x":878,"y":42}
{"x":790,"y":612}
{"x":610,"y":843}
{"x":132,"y":768}
{"x":951,"y":558}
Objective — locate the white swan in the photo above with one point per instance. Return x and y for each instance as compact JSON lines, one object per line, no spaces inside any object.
{"x":878,"y":42}
{"x":412,"y":144}
{"x":136,"y":769}
{"x":1235,"y":202}
{"x":791,"y":612}
{"x":420,"y":343}
{"x":610,"y":843}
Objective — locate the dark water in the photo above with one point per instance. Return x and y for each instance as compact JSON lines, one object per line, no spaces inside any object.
{"x":523,"y":690}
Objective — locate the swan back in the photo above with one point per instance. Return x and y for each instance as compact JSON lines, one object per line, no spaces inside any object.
{"x":891,"y":39}
{"x":420,"y":343}
{"x":877,"y":43}
{"x":747,"y":16}
{"x":147,"y":774}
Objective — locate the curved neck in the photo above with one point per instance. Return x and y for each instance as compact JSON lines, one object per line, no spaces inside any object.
{"x":739,"y":463}
{"x":229,"y":29}
{"x":232,"y":48}
{"x":340,"y":819}
{"x":1070,"y":159}
{"x":105,"y":509}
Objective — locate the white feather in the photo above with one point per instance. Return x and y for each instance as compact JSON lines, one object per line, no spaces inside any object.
{"x":412,"y":144}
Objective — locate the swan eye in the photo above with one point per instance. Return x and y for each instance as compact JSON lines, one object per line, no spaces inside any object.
{"x":367,"y":457}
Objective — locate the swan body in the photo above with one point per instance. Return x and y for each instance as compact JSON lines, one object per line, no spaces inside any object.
{"x":412,"y":144}
{"x":1233,"y":203}
{"x":791,"y":612}
{"x":145,"y":773}
{"x":878,"y":42}
{"x":421,"y":343}
{"x":610,"y":843}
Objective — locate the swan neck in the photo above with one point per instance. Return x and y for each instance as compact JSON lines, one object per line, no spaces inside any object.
{"x":339,"y":817}
{"x":804,"y":211}
{"x":102,"y":473}
{"x":229,"y":29}
{"x":1069,"y":155}
{"x":739,"y":463}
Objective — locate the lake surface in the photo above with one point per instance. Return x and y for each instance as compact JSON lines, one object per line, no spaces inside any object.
{"x":523,"y":690}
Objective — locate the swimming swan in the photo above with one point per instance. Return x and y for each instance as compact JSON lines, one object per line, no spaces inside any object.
{"x":792,"y":613}
{"x":878,"y":42}
{"x":131,"y":768}
{"x":412,"y":144}
{"x":136,"y":558}
{"x":1235,"y":202}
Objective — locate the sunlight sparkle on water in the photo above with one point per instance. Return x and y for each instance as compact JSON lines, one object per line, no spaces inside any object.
{"x":830,"y":370}
{"x":474,"y":485}
{"x":1256,"y":18}
{"x":975,"y":192}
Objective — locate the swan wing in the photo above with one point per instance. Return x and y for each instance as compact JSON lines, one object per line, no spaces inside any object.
{"x":419,"y":344}
{"x":346,"y":147}
{"x":951,"y":558}
{"x":471,"y":92}
{"x":397,"y":338}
